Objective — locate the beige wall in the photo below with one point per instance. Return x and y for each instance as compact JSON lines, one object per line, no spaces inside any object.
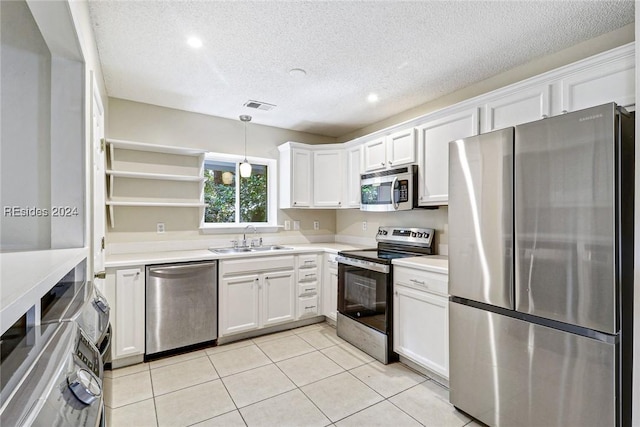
{"x":152,"y":124}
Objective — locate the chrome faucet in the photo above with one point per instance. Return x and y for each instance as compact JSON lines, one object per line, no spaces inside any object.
{"x":244,"y":236}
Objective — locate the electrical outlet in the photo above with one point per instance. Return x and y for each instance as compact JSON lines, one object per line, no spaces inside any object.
{"x":316,"y":225}
{"x":296,"y":225}
{"x":287,"y":225}
{"x":160,"y":227}
{"x":364,"y":225}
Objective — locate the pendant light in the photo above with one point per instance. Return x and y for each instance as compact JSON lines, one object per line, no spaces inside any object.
{"x":245,"y":166}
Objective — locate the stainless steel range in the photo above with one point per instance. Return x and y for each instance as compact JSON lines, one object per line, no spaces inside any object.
{"x":365,"y":288}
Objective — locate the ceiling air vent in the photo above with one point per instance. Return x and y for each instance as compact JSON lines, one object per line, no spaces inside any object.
{"x":258,"y":105}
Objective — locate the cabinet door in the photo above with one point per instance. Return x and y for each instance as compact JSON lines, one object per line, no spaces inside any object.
{"x":238,"y":310}
{"x":129,"y":313}
{"x":517,"y":108}
{"x":401,"y":148}
{"x":278,"y":297}
{"x":610,"y":82}
{"x":375,"y":154}
{"x":327,"y":179}
{"x":421,"y":328}
{"x":301,"y":178}
{"x":433,"y":148}
{"x":330,"y":288}
{"x":352,"y":178}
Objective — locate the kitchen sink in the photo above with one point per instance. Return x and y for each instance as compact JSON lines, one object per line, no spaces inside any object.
{"x":249,"y":250}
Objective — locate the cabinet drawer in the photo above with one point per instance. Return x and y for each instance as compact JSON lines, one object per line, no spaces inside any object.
{"x":307,"y":288}
{"x":423,"y":280}
{"x":308,"y":261}
{"x":260,"y":264}
{"x":308,"y":306}
{"x":307,"y":275}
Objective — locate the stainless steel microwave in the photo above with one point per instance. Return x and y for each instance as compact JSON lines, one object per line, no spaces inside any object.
{"x":389,"y":190}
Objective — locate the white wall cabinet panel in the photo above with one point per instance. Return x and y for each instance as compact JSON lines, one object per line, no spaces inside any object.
{"x":609,"y":82}
{"x":517,"y":108}
{"x":401,"y":148}
{"x":421,"y":328}
{"x":278,"y":298}
{"x":396,"y":149}
{"x":129,"y":321}
{"x":433,"y":153}
{"x":296,"y":184}
{"x":239,"y":304}
{"x":327,"y":178}
{"x":375,"y":154}
{"x":352,"y":178}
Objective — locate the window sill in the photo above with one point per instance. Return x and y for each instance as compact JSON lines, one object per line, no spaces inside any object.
{"x":234,"y":228}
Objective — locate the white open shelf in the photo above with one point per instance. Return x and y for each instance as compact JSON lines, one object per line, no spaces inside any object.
{"x":141,"y":146}
{"x":153,"y":203}
{"x":159,"y":176}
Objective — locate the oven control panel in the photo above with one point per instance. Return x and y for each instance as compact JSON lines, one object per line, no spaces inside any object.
{"x":86,"y":352}
{"x":407,"y":235}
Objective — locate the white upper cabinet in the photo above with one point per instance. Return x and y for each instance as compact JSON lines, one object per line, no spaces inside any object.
{"x":433,"y":153}
{"x":327,"y":178}
{"x":352,"y":178}
{"x":401,"y":148}
{"x":295,"y":177}
{"x":375,"y":154}
{"x":608,"y":82}
{"x":390,"y":151}
{"x":516,"y":108}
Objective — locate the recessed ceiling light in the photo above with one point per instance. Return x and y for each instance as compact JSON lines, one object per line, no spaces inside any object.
{"x":372,"y":98}
{"x":194,"y":42}
{"x":297,"y":72}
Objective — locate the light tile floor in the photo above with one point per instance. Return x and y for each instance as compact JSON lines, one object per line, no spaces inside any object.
{"x":304,"y":377}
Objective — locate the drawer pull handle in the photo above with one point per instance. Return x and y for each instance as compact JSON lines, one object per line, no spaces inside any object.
{"x":307,"y":308}
{"x":309,"y":275}
{"x":310,"y":289}
{"x":417,"y":282}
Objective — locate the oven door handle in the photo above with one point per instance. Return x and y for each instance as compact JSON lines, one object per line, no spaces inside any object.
{"x":366,"y":265}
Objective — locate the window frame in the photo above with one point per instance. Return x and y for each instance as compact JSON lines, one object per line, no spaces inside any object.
{"x":272,"y":194}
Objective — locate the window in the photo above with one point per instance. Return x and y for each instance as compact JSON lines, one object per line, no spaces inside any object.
{"x":231,"y":200}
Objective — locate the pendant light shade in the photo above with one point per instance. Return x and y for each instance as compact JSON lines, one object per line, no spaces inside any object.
{"x":245,"y":166}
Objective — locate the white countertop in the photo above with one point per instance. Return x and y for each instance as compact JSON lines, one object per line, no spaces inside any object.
{"x":26,"y":276}
{"x":145,"y":258}
{"x":435,"y":263}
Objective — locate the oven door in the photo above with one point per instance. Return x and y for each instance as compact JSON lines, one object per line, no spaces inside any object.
{"x":364,"y":292}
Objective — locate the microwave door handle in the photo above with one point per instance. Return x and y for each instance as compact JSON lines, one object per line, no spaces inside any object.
{"x":393,"y":193}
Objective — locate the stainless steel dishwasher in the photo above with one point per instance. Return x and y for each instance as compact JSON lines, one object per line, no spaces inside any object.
{"x":181,"y":305}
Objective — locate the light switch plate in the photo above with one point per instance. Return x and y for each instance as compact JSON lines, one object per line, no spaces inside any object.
{"x":296,"y":225}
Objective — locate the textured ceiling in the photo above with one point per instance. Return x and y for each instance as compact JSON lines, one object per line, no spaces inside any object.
{"x":407,"y":52}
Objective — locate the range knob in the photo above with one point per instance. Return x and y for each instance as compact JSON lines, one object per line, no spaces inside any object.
{"x":420,"y":235}
{"x":413,"y":234}
{"x":84,"y":386}
{"x":384,"y":232}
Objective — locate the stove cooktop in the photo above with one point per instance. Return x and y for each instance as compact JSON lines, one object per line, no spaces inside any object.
{"x":376,"y":255}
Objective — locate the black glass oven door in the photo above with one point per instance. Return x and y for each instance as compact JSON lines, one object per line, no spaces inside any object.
{"x":363,"y":296}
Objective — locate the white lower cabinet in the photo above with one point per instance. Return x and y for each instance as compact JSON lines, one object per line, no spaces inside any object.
{"x":239,"y":304}
{"x":255,"y":293}
{"x":421,"y":324}
{"x":330,"y":287}
{"x":278,"y":298}
{"x":308,"y":278}
{"x":125,"y":291}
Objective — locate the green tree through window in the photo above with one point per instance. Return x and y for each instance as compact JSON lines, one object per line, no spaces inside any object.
{"x":230,"y":201}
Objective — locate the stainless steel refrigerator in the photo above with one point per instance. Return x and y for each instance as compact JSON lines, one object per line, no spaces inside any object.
{"x":541,"y":271}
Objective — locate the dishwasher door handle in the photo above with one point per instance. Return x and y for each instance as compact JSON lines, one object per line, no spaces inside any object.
{"x":178,"y":269}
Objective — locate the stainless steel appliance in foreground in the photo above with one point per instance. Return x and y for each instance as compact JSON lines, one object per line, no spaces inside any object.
{"x":365,"y":288}
{"x":541,"y":271}
{"x":53,"y":378}
{"x":181,"y":305}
